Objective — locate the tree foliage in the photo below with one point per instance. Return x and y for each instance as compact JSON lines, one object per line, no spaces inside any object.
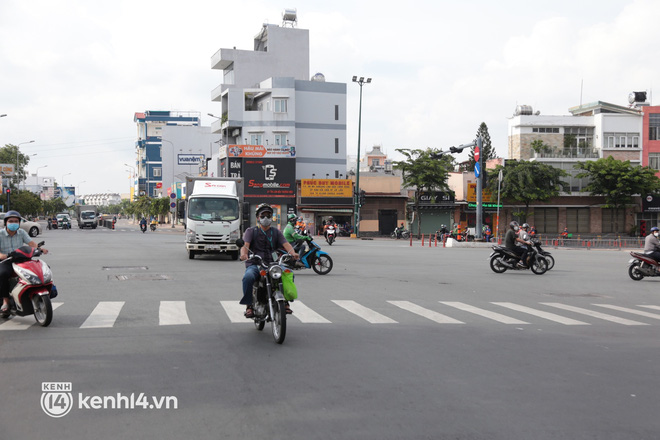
{"x":8,"y":155}
{"x":425,"y":171}
{"x":487,"y":149}
{"x":618,"y":181}
{"x":527,"y":182}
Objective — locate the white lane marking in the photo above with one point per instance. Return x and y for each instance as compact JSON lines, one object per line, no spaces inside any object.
{"x":23,"y":322}
{"x":541,"y":314}
{"x":633,"y":311}
{"x":485,"y":313}
{"x":426,"y":313}
{"x":173,"y":313}
{"x":104,"y":315}
{"x":306,"y":315}
{"x":593,"y":314}
{"x":363,"y":312}
{"x":235,"y":312}
{"x":651,"y":307}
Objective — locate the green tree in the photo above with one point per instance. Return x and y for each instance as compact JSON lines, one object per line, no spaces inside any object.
{"x":160,"y":206}
{"x":527,"y":182}
{"x":26,"y":202}
{"x":54,"y":206}
{"x":487,"y":149}
{"x":142,"y":206}
{"x":426,"y":172}
{"x":8,"y":155}
{"x":618,"y":181}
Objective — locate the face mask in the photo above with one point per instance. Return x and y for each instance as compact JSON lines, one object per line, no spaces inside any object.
{"x":13,"y":226}
{"x":265,"y":221}
{"x":656,"y":233}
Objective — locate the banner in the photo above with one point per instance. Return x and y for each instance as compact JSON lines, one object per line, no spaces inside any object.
{"x":261,"y":151}
{"x":326,"y":188}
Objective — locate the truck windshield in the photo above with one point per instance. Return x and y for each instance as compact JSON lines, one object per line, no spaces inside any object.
{"x":210,"y":209}
{"x":87,"y":215}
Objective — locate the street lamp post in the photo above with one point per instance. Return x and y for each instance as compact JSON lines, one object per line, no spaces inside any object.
{"x":360,"y":82}
{"x":172,"y":188}
{"x":18,"y":149}
{"x":78,"y":187}
{"x":133,"y":176}
{"x":62,"y":186}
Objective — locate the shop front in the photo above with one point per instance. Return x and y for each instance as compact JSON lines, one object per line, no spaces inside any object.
{"x":321,"y":199}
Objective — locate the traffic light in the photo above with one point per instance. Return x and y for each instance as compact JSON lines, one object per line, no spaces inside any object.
{"x":456,"y":149}
{"x":363,"y":197}
{"x":642,"y":228}
{"x":8,"y":191}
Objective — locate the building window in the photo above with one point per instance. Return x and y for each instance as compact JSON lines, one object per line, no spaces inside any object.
{"x":621,"y":140}
{"x":578,"y":220}
{"x":336,"y":112}
{"x":280,"y":139}
{"x":336,"y":174}
{"x":158,"y":172}
{"x":256,"y":139}
{"x":545,"y":220}
{"x":155,"y":194}
{"x":654,"y":161}
{"x":613,"y":220}
{"x":336,"y":145}
{"x":280,"y":105}
{"x":545,"y":130}
{"x":654,"y":126}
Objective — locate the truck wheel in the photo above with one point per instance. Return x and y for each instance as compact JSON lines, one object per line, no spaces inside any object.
{"x":234,"y":255}
{"x":191,"y":255}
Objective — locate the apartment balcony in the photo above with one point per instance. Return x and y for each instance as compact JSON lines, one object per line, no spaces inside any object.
{"x":567,"y":153}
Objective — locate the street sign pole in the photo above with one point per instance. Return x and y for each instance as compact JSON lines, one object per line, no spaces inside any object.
{"x":480,"y":173}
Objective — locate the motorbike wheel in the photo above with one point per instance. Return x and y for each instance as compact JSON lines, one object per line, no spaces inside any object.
{"x":634,"y":272}
{"x":331,"y":239}
{"x":43,"y":310}
{"x":496,"y":265}
{"x":550,"y":260}
{"x":278,"y":322}
{"x":322,"y":264}
{"x":405,"y":234}
{"x":393,"y":235}
{"x":540,"y":266}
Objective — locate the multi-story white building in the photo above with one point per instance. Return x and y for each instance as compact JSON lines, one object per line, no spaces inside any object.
{"x":268,"y":98}
{"x":102,"y":199}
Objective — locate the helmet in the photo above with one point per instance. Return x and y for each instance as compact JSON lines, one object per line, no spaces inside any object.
{"x":264,"y":207}
{"x":330,"y":219}
{"x":654,"y":228}
{"x":513,"y":225}
{"x":11,"y":214}
{"x":291,"y":218}
{"x":525,"y":226}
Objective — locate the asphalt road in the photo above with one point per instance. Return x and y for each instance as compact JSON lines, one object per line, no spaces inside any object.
{"x":397,"y":342}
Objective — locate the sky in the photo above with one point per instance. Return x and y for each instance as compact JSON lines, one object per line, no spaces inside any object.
{"x":74,"y":72}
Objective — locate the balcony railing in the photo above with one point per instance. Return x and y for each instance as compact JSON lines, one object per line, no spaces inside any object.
{"x":568,"y":153}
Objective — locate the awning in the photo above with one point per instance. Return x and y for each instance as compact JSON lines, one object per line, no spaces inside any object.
{"x":340,"y":210}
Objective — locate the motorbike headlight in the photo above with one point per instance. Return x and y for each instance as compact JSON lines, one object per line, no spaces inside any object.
{"x":48,"y":274}
{"x":28,"y":276}
{"x":191,"y":237}
{"x":275,"y":272}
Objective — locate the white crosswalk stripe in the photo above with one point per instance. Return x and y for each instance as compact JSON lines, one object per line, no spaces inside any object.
{"x":633,"y":311}
{"x":426,"y":313}
{"x":169,"y":313}
{"x":173,"y":313}
{"x":485,"y":313}
{"x":594,"y":314}
{"x":104,"y":315}
{"x":363,"y":312}
{"x":23,"y":322}
{"x":540,"y":314}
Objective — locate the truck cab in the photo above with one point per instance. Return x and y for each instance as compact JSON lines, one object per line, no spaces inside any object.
{"x":213,"y":216}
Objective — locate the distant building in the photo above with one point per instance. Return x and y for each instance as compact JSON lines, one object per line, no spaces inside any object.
{"x":102,"y":199}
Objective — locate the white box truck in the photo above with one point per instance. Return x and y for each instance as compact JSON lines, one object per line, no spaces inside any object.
{"x":213,"y":215}
{"x":86,"y":216}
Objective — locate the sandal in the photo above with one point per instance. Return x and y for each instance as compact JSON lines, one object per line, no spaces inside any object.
{"x":4,"y":308}
{"x":249,"y":312}
{"x":288,"y":310}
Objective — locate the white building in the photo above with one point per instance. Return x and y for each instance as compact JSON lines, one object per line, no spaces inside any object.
{"x":268,"y":98}
{"x":102,"y":199}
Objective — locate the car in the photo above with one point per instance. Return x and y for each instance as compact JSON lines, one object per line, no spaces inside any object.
{"x":32,"y":228}
{"x":61,"y":217}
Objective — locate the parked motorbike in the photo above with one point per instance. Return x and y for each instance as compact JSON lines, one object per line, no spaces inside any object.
{"x":330,"y":234}
{"x":31,"y":288}
{"x":267,"y":294}
{"x":316,"y":259}
{"x":550,"y":259}
{"x":503,"y":259}
{"x":642,"y":265}
{"x":400,"y":233}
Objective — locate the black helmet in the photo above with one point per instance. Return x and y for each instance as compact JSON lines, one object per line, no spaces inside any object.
{"x":514,"y":224}
{"x":264,"y":207}
{"x":11,"y":214}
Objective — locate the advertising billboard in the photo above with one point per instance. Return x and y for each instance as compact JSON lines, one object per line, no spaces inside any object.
{"x":267,"y":178}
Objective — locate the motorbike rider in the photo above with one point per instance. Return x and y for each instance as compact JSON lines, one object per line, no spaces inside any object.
{"x":330,"y":222}
{"x":524,"y":235}
{"x":510,"y":240}
{"x":263,"y":241}
{"x":11,"y":238}
{"x":652,"y":244}
{"x":294,"y":238}
{"x":143,"y":224}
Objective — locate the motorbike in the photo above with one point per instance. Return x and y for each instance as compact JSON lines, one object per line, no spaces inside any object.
{"x":143,"y":227}
{"x":550,"y":259}
{"x":503,"y":259}
{"x":330,"y":234}
{"x":316,"y":259}
{"x":31,"y":288}
{"x":153,"y":227}
{"x":642,"y":265}
{"x":66,"y":224}
{"x":400,"y":233}
{"x":267,"y":294}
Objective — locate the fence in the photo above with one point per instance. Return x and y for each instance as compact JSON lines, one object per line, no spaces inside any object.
{"x":594,"y":242}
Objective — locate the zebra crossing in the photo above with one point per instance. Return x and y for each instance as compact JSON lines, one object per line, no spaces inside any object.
{"x":106,"y":314}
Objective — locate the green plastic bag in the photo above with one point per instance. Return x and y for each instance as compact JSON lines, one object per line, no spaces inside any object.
{"x":288,"y":288}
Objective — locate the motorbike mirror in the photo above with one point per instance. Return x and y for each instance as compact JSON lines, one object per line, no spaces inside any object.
{"x":240,"y":242}
{"x":41,"y":243}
